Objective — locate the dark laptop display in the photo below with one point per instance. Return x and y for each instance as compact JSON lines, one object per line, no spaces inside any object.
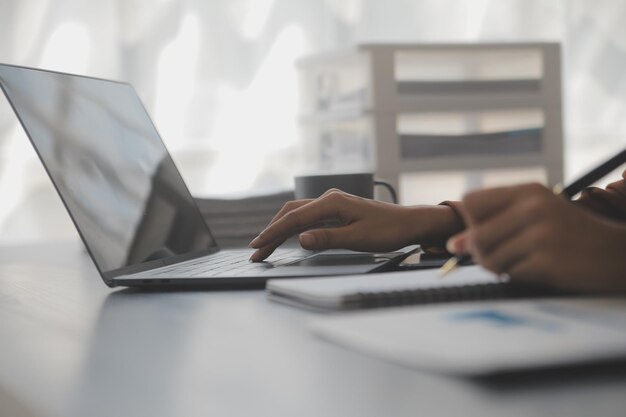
{"x":126,"y":197}
{"x":110,"y":167}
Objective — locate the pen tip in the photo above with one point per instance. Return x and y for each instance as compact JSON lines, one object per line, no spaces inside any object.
{"x":449,"y":266}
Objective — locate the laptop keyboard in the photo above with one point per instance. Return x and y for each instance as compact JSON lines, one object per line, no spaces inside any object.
{"x":226,"y":263}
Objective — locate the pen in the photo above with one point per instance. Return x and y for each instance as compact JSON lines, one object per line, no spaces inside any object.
{"x":568,"y":192}
{"x":453,"y":262}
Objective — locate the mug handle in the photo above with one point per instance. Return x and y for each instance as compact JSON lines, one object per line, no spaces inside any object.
{"x":389,"y":187}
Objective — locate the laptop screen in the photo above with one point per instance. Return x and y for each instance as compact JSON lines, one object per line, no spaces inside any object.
{"x":110,"y":167}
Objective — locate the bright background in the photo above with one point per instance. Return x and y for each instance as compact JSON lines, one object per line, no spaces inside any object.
{"x":218,"y":77}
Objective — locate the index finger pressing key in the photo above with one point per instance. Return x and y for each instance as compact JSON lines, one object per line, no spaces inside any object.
{"x":296,"y":220}
{"x":289,"y":206}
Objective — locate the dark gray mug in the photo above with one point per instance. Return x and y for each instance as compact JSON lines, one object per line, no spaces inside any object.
{"x":361,"y":184}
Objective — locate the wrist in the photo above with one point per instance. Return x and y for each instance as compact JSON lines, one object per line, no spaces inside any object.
{"x":433,"y":225}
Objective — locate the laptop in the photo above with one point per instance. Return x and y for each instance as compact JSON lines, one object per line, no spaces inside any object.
{"x":127,"y":199}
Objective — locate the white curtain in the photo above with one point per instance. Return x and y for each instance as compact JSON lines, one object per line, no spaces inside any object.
{"x":218,"y":76}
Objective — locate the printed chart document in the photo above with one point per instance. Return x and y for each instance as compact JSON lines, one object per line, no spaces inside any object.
{"x":482,"y":338}
{"x":395,"y":288}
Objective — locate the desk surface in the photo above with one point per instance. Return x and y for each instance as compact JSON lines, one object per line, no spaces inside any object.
{"x":70,"y":346}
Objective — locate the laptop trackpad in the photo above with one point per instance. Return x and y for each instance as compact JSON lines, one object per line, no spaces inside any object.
{"x":341,"y":260}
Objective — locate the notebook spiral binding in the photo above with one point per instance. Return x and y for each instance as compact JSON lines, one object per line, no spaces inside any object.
{"x":363,"y":300}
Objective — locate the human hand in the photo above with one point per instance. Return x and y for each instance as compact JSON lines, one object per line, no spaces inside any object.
{"x":363,"y":224}
{"x":533,"y":235}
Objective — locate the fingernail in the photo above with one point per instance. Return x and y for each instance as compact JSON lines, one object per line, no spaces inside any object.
{"x":450,"y":245}
{"x":307,"y":239}
{"x":458,"y":244}
{"x":254,"y":242}
{"x":253,"y":258}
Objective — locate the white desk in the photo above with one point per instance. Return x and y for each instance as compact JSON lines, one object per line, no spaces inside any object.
{"x":72,"y":347}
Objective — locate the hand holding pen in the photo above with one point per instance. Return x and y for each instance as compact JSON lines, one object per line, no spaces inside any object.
{"x":531,"y":234}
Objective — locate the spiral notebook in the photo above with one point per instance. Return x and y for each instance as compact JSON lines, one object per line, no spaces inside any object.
{"x":397,"y":288}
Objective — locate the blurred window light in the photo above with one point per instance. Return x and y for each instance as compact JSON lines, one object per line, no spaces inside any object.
{"x":258,"y":120}
{"x":347,"y":10}
{"x":175,"y":81}
{"x":15,"y":172}
{"x":256,"y":17}
{"x":30,"y":23}
{"x":68,"y":49}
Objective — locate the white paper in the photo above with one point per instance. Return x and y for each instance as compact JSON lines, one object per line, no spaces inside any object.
{"x":486,"y":337}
